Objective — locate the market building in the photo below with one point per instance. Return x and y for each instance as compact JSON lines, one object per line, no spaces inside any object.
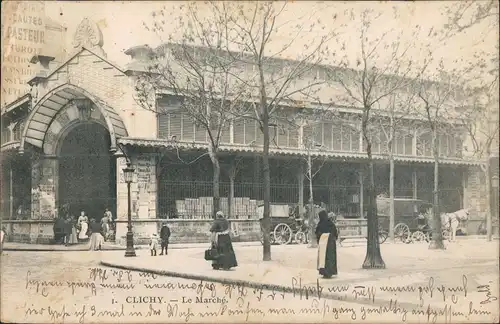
{"x":68,"y":139}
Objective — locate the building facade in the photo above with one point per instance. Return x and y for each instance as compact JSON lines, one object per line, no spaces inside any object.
{"x":70,"y":137}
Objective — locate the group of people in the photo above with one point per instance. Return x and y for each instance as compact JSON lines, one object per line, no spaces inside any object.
{"x":326,"y":236}
{"x":69,"y":231}
{"x":164,"y":237}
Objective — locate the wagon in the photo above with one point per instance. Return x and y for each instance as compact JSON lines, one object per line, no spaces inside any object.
{"x":286,"y":225}
{"x":407,"y":227}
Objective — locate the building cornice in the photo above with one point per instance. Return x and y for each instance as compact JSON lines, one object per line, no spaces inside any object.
{"x":299,"y":152}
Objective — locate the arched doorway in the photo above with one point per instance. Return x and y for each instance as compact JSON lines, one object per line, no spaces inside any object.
{"x":87,"y":170}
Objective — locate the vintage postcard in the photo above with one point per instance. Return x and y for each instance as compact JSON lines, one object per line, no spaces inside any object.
{"x":249,"y":162}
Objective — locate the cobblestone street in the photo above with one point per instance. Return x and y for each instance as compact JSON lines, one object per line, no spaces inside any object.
{"x":72,"y":287}
{"x":56,"y":287}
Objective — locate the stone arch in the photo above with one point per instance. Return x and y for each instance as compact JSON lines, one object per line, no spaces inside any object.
{"x":64,"y":122}
{"x":63,"y":106}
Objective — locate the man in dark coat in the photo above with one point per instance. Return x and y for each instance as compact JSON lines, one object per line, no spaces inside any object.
{"x":68,"y":227}
{"x":59,"y":230}
{"x":165,"y":237}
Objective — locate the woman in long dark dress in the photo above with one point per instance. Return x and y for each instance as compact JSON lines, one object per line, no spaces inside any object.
{"x":59,"y":230}
{"x":222,"y":242}
{"x":96,"y":239}
{"x":326,"y":234}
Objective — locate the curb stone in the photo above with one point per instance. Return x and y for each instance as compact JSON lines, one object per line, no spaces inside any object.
{"x":56,"y":248}
{"x":62,"y":250}
{"x":267,"y":287}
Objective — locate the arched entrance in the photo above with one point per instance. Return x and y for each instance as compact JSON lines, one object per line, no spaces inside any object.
{"x":87,"y":170}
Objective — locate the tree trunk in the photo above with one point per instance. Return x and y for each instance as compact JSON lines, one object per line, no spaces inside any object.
{"x":158,"y":172}
{"x":216,"y":192}
{"x":264,"y":116}
{"x":373,"y":259}
{"x":312,"y":242}
{"x":232,"y":174}
{"x":437,"y":234}
{"x":266,"y":220}
{"x":391,"y":197}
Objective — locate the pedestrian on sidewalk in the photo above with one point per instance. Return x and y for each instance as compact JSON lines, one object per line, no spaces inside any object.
{"x":165,"y":237}
{"x":58,"y":229}
{"x":83,"y":226}
{"x":326,"y":234}
{"x":68,"y":229}
{"x":221,"y":241}
{"x":2,"y":238}
{"x":153,"y":244}
{"x":73,"y":238}
{"x":105,"y":225}
{"x":96,"y":239}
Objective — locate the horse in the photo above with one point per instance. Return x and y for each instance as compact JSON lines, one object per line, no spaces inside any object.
{"x":452,"y":220}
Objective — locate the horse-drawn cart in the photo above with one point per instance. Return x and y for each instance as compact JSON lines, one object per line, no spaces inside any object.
{"x":286,"y":226}
{"x":408,"y":226}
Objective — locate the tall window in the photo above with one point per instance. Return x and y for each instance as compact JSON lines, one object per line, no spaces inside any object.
{"x":450,"y":145}
{"x":424,"y":144}
{"x":286,"y":135}
{"x":403,"y":143}
{"x":245,"y":131}
{"x":333,"y":136}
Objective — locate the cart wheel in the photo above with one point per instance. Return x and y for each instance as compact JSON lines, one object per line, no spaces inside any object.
{"x":402,"y":232}
{"x":418,"y":236}
{"x":382,"y":236}
{"x":300,"y":237}
{"x":282,"y":234}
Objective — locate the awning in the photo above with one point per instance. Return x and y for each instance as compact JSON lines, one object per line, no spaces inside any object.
{"x":236,"y":148}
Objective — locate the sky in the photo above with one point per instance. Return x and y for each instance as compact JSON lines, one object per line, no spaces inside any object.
{"x":122,"y":24}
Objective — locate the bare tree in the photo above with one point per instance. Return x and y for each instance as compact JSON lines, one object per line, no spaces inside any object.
{"x":314,"y":165}
{"x":438,"y":109}
{"x":391,"y":124}
{"x":243,"y":68}
{"x":463,"y":15}
{"x":276,"y":81}
{"x":196,"y":80}
{"x":480,"y":119}
{"x":372,"y":82}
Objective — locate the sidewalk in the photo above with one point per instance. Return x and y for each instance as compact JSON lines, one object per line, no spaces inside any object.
{"x":293,"y":268}
{"x":108,"y":246}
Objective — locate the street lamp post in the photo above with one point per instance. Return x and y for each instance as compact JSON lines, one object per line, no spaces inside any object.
{"x":489,"y":225}
{"x":128,"y":174}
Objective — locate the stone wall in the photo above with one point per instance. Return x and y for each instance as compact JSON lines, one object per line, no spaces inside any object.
{"x":190,"y":231}
{"x":143,"y":196}
{"x":183,"y":231}
{"x":43,"y":188}
{"x":475,"y":198}
{"x":30,"y":232}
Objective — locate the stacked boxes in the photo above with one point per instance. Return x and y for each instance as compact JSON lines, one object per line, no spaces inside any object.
{"x":201,"y":208}
{"x":224,"y":205}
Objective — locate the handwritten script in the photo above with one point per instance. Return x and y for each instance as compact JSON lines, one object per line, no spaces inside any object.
{"x":112,"y":295}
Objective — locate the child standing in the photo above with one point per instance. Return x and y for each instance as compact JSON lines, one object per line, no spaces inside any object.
{"x":153,"y":244}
